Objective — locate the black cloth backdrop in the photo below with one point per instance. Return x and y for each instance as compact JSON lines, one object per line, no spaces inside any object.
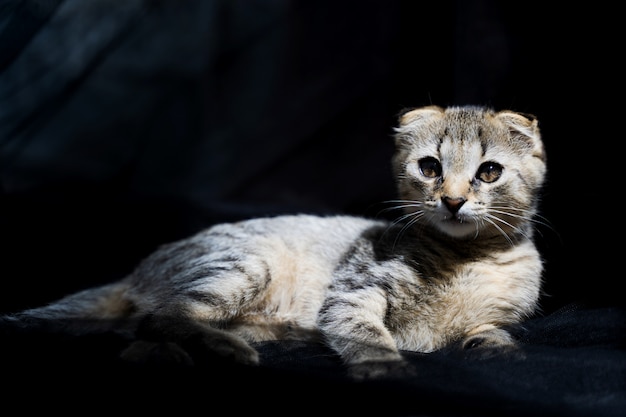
{"x":124,"y":125}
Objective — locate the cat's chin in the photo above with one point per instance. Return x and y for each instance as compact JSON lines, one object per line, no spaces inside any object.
{"x":457,"y":229}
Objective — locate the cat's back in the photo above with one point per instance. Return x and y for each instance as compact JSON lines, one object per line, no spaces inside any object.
{"x":281,"y":265}
{"x":296,"y":242}
{"x":297,"y":231}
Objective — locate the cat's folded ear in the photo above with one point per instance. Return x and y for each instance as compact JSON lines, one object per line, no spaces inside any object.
{"x":420,"y":114}
{"x":412,"y":121}
{"x":525,"y":127}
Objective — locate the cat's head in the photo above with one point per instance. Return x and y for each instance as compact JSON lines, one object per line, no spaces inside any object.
{"x":469,"y":171}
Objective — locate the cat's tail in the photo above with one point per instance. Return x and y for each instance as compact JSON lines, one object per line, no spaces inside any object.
{"x":91,"y":311}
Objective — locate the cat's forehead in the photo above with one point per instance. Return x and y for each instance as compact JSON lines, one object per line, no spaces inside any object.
{"x":458,"y":124}
{"x":469,"y":124}
{"x":468,"y":130}
{"x":463,"y":156}
{"x":465,"y":133}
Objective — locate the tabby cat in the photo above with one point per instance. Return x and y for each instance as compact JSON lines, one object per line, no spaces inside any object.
{"x":458,"y":266}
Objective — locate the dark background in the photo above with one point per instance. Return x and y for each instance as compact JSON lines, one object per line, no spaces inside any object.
{"x":124,"y":125}
{"x":127,"y":124}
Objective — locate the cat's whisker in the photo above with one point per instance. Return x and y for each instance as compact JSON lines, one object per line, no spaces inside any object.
{"x":405,"y":216}
{"x":401,"y":201}
{"x":403,"y":204}
{"x":493,"y":223}
{"x":407,"y":226}
{"x":414,"y":216}
{"x":402,"y":207}
{"x":479,"y":223}
{"x":525,"y":215}
{"x":542,"y":221}
{"x":510,"y":208}
{"x":512,"y":215}
{"x":400,"y":220}
{"x":534,"y":219}
{"x":515,"y":228}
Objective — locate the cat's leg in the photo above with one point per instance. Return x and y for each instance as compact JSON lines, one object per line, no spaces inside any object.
{"x":352,"y":321}
{"x":179,"y":338}
{"x":194,"y":311}
{"x":353,"y":326}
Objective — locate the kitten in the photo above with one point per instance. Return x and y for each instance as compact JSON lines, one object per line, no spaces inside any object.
{"x":456,"y":267}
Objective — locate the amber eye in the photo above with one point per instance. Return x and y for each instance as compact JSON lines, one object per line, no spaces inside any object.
{"x":430,"y":167}
{"x":489,"y":171}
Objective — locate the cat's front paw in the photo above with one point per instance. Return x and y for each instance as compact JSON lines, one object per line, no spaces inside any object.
{"x":369,"y":370}
{"x":489,"y":344}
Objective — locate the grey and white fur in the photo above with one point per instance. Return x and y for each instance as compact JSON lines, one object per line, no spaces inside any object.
{"x":457,"y":266}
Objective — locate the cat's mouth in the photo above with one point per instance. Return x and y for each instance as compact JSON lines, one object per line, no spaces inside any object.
{"x":453,"y":219}
{"x":456,"y":226}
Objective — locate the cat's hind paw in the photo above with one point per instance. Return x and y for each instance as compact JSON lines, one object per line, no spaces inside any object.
{"x":165,"y":353}
{"x":370,"y":370}
{"x":231,"y":347}
{"x":198,"y":350}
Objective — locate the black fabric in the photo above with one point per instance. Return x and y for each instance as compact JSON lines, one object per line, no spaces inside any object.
{"x":573,"y":364}
{"x":124,"y":125}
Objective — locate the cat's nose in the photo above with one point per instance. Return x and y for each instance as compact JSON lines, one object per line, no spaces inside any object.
{"x":453,"y":204}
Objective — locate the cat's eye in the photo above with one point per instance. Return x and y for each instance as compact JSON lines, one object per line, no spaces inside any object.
{"x":430,"y":167}
{"x":489,"y":171}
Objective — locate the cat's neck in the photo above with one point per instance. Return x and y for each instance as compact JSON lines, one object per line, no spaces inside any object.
{"x":487,"y":241}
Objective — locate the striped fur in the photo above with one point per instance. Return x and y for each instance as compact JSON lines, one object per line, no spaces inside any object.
{"x":457,"y":266}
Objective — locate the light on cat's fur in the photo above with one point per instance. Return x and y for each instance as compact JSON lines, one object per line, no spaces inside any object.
{"x":456,"y":266}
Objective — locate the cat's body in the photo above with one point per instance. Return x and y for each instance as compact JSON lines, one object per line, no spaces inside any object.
{"x":457,"y":267}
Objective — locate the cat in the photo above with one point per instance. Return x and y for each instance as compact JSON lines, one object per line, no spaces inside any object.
{"x":457,"y":266}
